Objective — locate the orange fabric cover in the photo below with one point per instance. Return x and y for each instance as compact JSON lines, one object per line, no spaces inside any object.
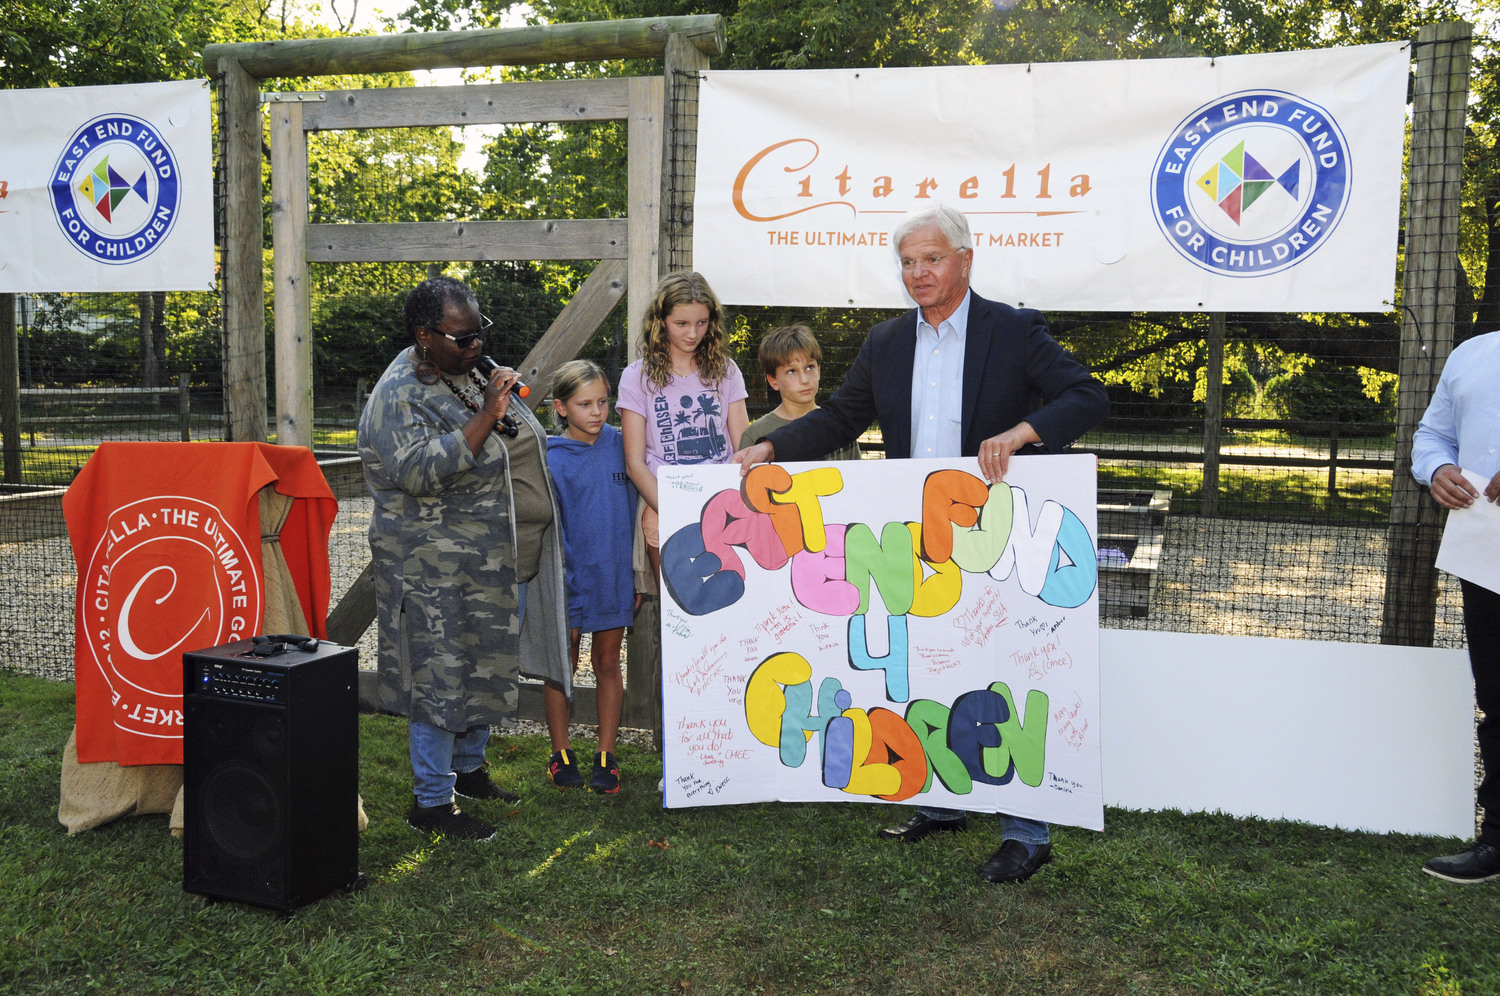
{"x":167,"y":540}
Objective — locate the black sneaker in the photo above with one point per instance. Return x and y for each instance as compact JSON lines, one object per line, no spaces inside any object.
{"x":606,"y":776}
{"x":562,"y":768}
{"x":449,"y":821}
{"x":1480,"y":863}
{"x":477,"y":784}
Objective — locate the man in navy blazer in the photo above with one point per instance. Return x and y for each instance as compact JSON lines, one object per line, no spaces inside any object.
{"x":956,"y":376}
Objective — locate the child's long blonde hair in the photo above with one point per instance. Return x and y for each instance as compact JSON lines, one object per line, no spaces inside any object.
{"x":711,"y":355}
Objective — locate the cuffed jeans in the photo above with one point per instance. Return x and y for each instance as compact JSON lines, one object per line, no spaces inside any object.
{"x":1032,"y":833}
{"x":437,"y":755}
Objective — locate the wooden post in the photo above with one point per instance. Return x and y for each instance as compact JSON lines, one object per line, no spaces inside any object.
{"x":642,"y":709}
{"x":184,"y":408}
{"x":678,"y":152}
{"x":685,"y":43}
{"x":348,"y":620}
{"x":1333,"y":468}
{"x":643,"y":197}
{"x":10,"y":389}
{"x":294,"y":346}
{"x":582,"y":41}
{"x":1213,"y":414}
{"x":680,"y":66}
{"x":243,"y":268}
{"x":1429,"y":291}
{"x":574,"y":326}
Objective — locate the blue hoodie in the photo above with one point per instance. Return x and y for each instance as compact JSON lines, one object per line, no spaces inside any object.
{"x":598,"y":528}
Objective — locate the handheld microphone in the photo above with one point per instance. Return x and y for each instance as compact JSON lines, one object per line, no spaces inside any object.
{"x":488,"y":366}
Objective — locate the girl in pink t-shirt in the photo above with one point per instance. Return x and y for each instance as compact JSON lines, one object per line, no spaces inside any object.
{"x":683,"y":401}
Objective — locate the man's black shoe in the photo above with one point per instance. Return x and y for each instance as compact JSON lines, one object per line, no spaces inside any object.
{"x":1012,"y":863}
{"x":1479,"y":863}
{"x":920,"y":826}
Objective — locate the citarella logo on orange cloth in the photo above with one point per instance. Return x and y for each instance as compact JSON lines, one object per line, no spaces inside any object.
{"x":169,"y":575}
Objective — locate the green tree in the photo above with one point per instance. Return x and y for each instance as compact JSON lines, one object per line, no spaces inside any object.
{"x":95,"y":42}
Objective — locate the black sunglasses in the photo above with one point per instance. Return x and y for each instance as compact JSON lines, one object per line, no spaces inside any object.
{"x":462,"y":341}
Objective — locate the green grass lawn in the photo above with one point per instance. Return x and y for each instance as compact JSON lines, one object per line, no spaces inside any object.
{"x":584,"y":894}
{"x":1363,"y":497}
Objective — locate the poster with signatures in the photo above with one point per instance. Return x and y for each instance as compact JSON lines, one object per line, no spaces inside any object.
{"x":883,"y":631}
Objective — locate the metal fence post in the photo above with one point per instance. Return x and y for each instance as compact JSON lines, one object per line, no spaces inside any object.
{"x":184,"y":408}
{"x":10,"y":389}
{"x":1213,"y":414}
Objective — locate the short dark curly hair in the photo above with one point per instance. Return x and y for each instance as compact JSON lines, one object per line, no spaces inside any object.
{"x":429,"y":300}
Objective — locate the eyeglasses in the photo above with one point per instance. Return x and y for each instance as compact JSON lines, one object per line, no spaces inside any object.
{"x":907,"y":265}
{"x":463,"y":341}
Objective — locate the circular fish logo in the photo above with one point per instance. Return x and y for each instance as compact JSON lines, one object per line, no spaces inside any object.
{"x":1252,"y":183}
{"x":116,"y":189}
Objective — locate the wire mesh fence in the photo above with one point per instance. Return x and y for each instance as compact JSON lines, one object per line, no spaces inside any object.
{"x":1246,"y":471}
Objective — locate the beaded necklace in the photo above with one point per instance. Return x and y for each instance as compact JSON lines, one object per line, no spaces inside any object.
{"x":507,"y":423}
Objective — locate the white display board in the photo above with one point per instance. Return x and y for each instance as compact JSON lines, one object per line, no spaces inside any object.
{"x":1244,"y":183}
{"x":1359,"y":736}
{"x":106,"y":188}
{"x":883,"y":631}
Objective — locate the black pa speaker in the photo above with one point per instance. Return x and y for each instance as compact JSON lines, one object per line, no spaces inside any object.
{"x":270,"y":756}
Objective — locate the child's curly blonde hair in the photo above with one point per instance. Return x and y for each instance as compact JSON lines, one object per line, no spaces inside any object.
{"x":711,"y":354}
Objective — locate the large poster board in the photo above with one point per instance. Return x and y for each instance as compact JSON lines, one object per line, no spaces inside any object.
{"x":883,"y":631}
{"x":106,"y":188}
{"x":1247,"y":183}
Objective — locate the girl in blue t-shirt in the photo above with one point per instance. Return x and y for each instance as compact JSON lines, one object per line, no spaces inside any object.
{"x":598,"y":505}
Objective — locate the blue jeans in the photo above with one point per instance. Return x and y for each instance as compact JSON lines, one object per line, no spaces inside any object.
{"x":1032,"y":833}
{"x":437,"y":755}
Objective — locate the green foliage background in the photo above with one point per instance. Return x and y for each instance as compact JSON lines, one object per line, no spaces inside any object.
{"x":1294,"y":366}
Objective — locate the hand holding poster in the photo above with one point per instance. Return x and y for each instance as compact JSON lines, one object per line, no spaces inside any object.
{"x":883,"y":631}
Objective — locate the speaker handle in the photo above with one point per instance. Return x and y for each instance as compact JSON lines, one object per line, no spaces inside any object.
{"x":299,"y":641}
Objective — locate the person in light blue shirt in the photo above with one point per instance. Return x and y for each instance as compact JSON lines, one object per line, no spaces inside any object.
{"x":1460,"y":431}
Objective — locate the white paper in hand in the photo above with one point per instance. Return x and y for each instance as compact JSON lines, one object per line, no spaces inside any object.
{"x":1471,"y":540}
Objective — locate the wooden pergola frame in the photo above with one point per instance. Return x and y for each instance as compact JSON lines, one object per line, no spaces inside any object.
{"x":630,"y":249}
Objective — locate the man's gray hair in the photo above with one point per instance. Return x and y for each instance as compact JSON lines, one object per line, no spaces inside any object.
{"x":950,"y":224}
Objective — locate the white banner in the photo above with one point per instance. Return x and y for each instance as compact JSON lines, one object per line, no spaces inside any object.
{"x":883,"y":631}
{"x":106,"y":188}
{"x":1247,"y":183}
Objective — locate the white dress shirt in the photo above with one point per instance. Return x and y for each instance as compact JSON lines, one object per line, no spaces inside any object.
{"x":1462,"y":422}
{"x":937,"y":385}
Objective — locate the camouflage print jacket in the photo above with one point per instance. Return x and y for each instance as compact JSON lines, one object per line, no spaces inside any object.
{"x":443,"y":546}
